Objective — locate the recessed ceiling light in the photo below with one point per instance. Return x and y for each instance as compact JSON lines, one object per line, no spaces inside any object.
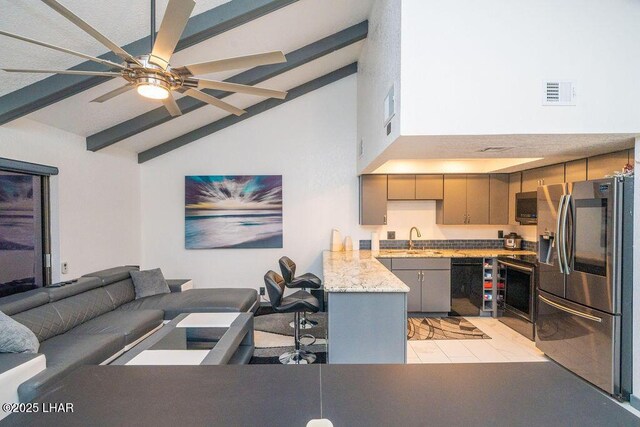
{"x":494,"y":149}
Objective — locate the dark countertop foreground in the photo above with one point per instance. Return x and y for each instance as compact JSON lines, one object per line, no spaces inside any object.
{"x":500,"y":394}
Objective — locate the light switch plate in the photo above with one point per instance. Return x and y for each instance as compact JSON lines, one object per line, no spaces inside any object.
{"x":64,"y":269}
{"x":391,"y":235}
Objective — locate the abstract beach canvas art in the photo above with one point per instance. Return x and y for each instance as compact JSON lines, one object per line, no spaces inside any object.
{"x":233,"y":211}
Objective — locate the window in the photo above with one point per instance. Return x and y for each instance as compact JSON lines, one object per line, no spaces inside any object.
{"x":24,"y":231}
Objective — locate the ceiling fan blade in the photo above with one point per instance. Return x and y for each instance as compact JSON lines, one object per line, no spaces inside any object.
{"x":172,"y":106}
{"x":175,"y":19}
{"x":62,"y":49}
{"x":194,"y":93}
{"x":247,"y":61}
{"x":90,"y":30}
{"x":73,"y":72}
{"x":235,"y":87}
{"x":107,"y":96}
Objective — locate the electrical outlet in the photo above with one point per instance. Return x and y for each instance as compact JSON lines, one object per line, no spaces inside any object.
{"x":262,"y":290}
{"x":391,"y":235}
{"x":65,"y":268}
{"x":500,"y":234}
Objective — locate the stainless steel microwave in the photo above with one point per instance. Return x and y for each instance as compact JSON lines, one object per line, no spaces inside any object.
{"x":527,"y":208}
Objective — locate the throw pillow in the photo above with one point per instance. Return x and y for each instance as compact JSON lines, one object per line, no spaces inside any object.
{"x":149,"y":282}
{"x":15,"y":337}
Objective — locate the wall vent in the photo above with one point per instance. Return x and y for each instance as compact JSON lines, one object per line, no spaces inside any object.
{"x":559,"y":92}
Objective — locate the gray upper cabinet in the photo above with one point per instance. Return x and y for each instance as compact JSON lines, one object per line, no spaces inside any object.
{"x":600,"y":166}
{"x":465,"y":201}
{"x":429,"y":187}
{"x":452,"y":210}
{"x":575,"y":171}
{"x":498,"y":199}
{"x":533,"y":178}
{"x":415,"y":187}
{"x":515,"y":187}
{"x":402,"y":187}
{"x":478,"y":199}
{"x":373,"y":199}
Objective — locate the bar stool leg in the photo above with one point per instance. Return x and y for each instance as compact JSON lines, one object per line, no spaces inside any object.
{"x":304,"y":322}
{"x":297,"y":356}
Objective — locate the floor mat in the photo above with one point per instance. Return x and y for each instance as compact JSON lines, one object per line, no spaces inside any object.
{"x":443,"y":328}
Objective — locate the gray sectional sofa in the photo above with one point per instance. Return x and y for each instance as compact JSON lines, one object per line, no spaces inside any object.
{"x":95,"y":319}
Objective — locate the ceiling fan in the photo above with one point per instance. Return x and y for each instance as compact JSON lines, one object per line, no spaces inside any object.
{"x":151,"y":74}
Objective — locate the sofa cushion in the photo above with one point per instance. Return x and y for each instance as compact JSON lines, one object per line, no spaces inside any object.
{"x":149,"y":282}
{"x":66,"y":352}
{"x":198,"y":301}
{"x":121,"y":292}
{"x":83,"y":307}
{"x":15,"y":337}
{"x":23,"y":301}
{"x":115,"y":274}
{"x":133,"y":325}
{"x":81,"y":285}
{"x":44,"y":321}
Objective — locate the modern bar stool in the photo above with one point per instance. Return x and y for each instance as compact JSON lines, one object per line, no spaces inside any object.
{"x":296,"y":303}
{"x":305,"y":281}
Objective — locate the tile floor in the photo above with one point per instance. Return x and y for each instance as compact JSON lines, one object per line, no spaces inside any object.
{"x":505,"y":345}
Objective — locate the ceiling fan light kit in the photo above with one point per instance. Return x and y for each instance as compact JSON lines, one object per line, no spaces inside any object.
{"x":152,"y":75}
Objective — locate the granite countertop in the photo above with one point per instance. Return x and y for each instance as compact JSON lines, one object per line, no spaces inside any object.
{"x":358,"y":271}
{"x":448,"y":253}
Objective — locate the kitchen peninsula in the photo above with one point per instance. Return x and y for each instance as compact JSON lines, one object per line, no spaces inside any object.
{"x":367,"y":309}
{"x":365,"y":295}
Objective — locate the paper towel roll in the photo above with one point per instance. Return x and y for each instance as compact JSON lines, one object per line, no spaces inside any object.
{"x":348,"y":243}
{"x":336,"y":241}
{"x":375,"y":242}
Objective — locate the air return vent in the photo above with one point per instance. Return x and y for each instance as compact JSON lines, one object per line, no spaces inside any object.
{"x":559,"y":92}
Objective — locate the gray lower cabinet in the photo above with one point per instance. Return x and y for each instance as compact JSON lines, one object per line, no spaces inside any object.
{"x":429,"y":282}
{"x":412,"y":278}
{"x":436,"y":291}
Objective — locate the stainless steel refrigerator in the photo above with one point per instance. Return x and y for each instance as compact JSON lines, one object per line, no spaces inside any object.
{"x":585,"y":254}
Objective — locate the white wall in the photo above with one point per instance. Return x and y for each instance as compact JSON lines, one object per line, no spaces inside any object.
{"x":476,"y":67}
{"x":310,"y":141}
{"x":378,"y":71}
{"x":95,"y":200}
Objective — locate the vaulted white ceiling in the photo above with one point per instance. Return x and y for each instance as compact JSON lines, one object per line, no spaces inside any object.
{"x":286,"y":29}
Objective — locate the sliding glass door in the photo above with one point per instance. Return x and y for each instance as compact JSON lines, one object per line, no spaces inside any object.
{"x":24,"y":236}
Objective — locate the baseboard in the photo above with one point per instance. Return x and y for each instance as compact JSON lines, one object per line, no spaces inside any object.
{"x":635,"y":401}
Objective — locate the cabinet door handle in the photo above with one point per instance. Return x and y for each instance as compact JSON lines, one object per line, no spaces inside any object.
{"x":384,"y":219}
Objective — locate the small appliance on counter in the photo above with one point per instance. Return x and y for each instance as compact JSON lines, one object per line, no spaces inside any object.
{"x":512,"y":241}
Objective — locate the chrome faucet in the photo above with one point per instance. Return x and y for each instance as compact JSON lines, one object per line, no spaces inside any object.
{"x":411,"y":234}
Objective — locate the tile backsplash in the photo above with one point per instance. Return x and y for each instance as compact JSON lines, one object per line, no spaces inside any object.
{"x":446,"y":244}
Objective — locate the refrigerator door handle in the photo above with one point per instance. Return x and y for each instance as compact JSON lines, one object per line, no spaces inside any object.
{"x":559,"y":236}
{"x":569,"y":237}
{"x":563,"y":226}
{"x":570,"y":310}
